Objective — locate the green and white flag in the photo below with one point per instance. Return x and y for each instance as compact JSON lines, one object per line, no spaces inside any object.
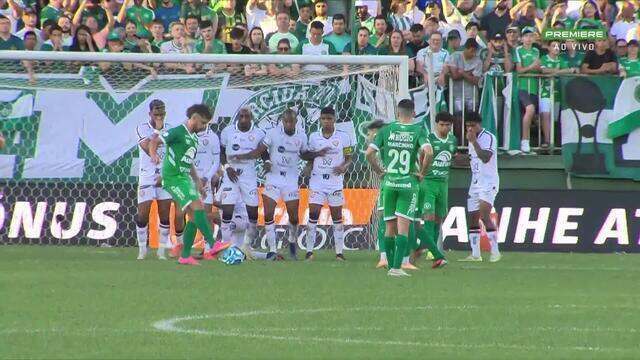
{"x":15,"y":104}
{"x":600,"y":118}
{"x":489,"y":109}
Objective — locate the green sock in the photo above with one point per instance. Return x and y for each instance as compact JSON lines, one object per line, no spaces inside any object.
{"x":402,"y":242}
{"x":201,"y":221}
{"x":427,"y":239}
{"x":188,"y":238}
{"x":390,"y":247}
{"x":381,"y":229}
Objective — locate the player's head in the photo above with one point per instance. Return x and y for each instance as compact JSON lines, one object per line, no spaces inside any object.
{"x":289,"y":119}
{"x":245,"y":117}
{"x":328,"y":119}
{"x":444,"y":121}
{"x":199,"y":116}
{"x":472,"y":121}
{"x":372,"y":129}
{"x":157,"y":112}
{"x":406,"y":109}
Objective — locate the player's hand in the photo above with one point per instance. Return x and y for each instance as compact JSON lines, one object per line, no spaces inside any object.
{"x":201,"y":187}
{"x":231,"y":173}
{"x":215,"y":183}
{"x":339,"y":170}
{"x":419,"y":175}
{"x":471,"y":136}
{"x":155,"y":159}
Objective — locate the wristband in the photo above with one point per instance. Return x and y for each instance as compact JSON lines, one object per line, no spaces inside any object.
{"x":226,"y":166}
{"x":267,"y":161}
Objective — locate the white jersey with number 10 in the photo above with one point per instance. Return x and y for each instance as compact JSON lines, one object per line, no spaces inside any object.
{"x":322,"y":176}
{"x":484,"y":175}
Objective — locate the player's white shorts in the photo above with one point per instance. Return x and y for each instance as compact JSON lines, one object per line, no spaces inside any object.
{"x":487,"y":195}
{"x":286,"y":192}
{"x":151,"y":192}
{"x":245,"y":191}
{"x":544,"y":106}
{"x":333,"y":198}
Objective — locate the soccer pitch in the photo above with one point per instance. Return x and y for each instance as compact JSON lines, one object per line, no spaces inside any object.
{"x":82,"y":302}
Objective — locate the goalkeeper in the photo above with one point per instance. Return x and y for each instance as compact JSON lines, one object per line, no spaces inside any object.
{"x":434,"y":188}
{"x":179,"y":178}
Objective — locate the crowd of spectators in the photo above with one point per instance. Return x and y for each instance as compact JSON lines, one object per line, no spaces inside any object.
{"x":462,"y":40}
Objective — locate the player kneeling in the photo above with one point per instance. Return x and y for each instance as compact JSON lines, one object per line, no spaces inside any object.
{"x":327,"y":178}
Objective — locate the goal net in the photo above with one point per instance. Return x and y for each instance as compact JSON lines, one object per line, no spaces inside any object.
{"x":69,"y":168}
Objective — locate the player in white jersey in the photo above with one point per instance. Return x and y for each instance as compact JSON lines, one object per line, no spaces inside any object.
{"x":484,"y":186}
{"x":240,"y":179}
{"x":149,"y":188}
{"x":285,"y":145}
{"x":327,"y":178}
{"x":207,"y":164}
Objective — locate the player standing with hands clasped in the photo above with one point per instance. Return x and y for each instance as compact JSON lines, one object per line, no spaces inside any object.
{"x":484,"y":186}
{"x":327,"y":178}
{"x":180,"y":178}
{"x":400,"y":145}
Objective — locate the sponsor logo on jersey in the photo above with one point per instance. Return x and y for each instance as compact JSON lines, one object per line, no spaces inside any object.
{"x":443,"y":159}
{"x":235,"y":147}
{"x":281,"y":149}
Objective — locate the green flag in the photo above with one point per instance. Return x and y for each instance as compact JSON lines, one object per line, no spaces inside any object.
{"x":489,"y":104}
{"x":512,"y":122}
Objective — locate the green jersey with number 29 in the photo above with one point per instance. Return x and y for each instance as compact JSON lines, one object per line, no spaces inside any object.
{"x":181,"y":148}
{"x":399,"y":145}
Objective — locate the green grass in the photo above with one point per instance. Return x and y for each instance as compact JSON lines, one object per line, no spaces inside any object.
{"x":81,"y":302}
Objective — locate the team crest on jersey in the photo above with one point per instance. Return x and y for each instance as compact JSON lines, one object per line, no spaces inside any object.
{"x":268,"y":105}
{"x":335,"y":142}
{"x":281,"y":149}
{"x":205,"y":142}
{"x":251,"y":137}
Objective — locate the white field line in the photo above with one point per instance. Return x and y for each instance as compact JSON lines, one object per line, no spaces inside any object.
{"x":548,"y":268}
{"x":172,"y":325}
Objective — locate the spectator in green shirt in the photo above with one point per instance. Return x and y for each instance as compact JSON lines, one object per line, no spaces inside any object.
{"x":55,"y":40}
{"x":130,"y":38}
{"x":380,"y":38}
{"x":303,"y":21}
{"x":282,"y":21}
{"x":30,"y":41}
{"x":157,"y":33}
{"x":363,"y":44}
{"x":192,"y":26}
{"x":52,"y":11}
{"x":527,"y":62}
{"x":7,"y":40}
{"x":93,"y":9}
{"x":197,"y":8}
{"x":364,"y":18}
{"x":208,"y":44}
{"x":290,"y":70}
{"x":338,"y":37}
{"x":228,"y":18}
{"x":453,"y":41}
{"x":630,"y":65}
{"x":143,"y":44}
{"x":397,"y":47}
{"x":137,"y":13}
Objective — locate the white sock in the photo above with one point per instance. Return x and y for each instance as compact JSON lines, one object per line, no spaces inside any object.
{"x":493,"y":240}
{"x":238,"y":238}
{"x":251,"y":233}
{"x":311,"y":235}
{"x":270,"y":228}
{"x":383,"y":256}
{"x":179,"y":238}
{"x":524,"y":145}
{"x":405,"y":260}
{"x":165,"y":243}
{"x":225,"y":229}
{"x":259,"y":255}
{"x":293,"y":233}
{"x":143,"y":236}
{"x":338,"y":236}
{"x":474,"y":239}
{"x":440,"y":243}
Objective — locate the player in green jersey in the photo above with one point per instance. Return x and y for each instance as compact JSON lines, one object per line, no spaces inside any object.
{"x":400,"y":145}
{"x":434,"y":189}
{"x":180,"y":179}
{"x":630,"y":64}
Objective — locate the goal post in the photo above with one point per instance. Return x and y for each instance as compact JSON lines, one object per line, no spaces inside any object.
{"x":69,"y":171}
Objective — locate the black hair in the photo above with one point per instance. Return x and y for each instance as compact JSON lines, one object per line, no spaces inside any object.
{"x":472,"y":116}
{"x":236,"y":33}
{"x":205,"y":24}
{"x":444,"y":116}
{"x":406,"y":104}
{"x":327,"y":111}
{"x":317,"y":25}
{"x":200,"y":109}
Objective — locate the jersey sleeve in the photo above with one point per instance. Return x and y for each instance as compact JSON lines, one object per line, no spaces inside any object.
{"x":304,"y":146}
{"x":223,"y":137}
{"x":143,"y":132}
{"x":348,"y":145}
{"x":215,"y":152}
{"x":487,"y":142}
{"x":169,"y":137}
{"x":267,"y":139}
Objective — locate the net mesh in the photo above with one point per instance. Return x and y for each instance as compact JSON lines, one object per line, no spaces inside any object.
{"x":69,"y":169}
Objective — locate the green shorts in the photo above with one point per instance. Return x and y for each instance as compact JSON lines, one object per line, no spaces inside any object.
{"x":434,"y":198}
{"x":182,"y":189}
{"x":401,"y":203}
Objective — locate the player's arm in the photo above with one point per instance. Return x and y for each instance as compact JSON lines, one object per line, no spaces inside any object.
{"x":426,"y":158}
{"x":231,"y":172}
{"x":196,"y":180}
{"x":1,"y":141}
{"x":253,"y":154}
{"x":373,"y":160}
{"x":153,"y":144}
{"x":483,"y":154}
